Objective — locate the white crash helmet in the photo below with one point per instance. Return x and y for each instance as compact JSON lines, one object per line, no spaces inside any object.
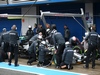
{"x":29,"y":26}
{"x":74,"y":38}
{"x":43,"y":42}
{"x":39,"y":37}
{"x":47,"y":30}
{"x":67,"y":44}
{"x":4,"y":29}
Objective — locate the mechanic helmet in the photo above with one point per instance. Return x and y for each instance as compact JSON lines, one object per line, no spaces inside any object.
{"x":48,"y":31}
{"x":39,"y":37}
{"x":4,"y":29}
{"x":74,"y":38}
{"x":86,"y":33}
{"x":43,"y":42}
{"x":67,"y":44}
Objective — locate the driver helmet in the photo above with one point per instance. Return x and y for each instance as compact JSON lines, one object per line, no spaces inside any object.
{"x":30,"y":27}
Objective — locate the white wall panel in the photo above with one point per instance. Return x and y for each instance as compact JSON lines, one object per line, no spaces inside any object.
{"x":28,"y":21}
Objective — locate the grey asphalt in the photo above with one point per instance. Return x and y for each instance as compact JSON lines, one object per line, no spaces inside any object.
{"x":12,"y":72}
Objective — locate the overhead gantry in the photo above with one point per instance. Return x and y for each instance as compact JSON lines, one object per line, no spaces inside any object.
{"x":48,"y":13}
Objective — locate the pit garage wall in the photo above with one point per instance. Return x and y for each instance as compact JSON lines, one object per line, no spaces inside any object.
{"x":89,"y":13}
{"x":74,"y":27}
{"x":97,"y":16}
{"x":22,"y":24}
{"x":5,"y":23}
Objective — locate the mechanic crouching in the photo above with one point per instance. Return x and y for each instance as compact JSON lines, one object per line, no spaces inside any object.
{"x":43,"y":60}
{"x":33,"y":47}
{"x":67,"y":57}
